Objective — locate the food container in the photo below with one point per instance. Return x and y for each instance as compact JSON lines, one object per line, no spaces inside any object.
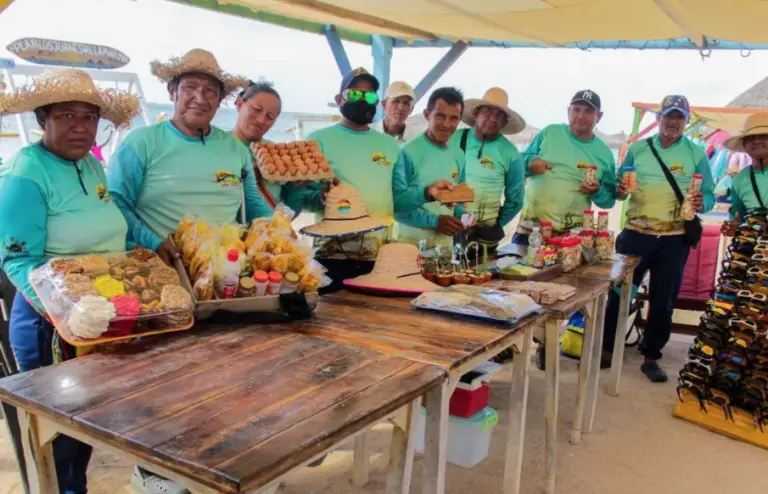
{"x":603,"y":245}
{"x":261,"y":281}
{"x":98,"y":299}
{"x":588,"y":221}
{"x":471,"y":393}
{"x":591,"y":173}
{"x":246,"y":287}
{"x":587,"y":239}
{"x":478,"y":301}
{"x":546,"y":229}
{"x":430,"y":277}
{"x":290,"y":282}
{"x":630,"y":178}
{"x":275,"y":283}
{"x":469,"y":439}
{"x":602,"y":221}
{"x":570,"y":253}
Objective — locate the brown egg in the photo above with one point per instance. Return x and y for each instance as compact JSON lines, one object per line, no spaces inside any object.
{"x":318,"y":156}
{"x":293,"y":152}
{"x":312,"y":143}
{"x":271,"y":169}
{"x":270,"y":145}
{"x":293,"y":171}
{"x":301,"y":145}
{"x":269,"y":161}
{"x":283,"y":152}
{"x":280,"y":146}
{"x":281,"y":169}
{"x":276,"y":159}
{"x":290,"y":145}
{"x":302,"y":169}
{"x":323,"y":165}
{"x":312,"y":166}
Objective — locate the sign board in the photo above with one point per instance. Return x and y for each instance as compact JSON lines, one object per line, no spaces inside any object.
{"x":68,"y":53}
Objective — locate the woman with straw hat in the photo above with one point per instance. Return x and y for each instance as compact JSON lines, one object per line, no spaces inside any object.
{"x":54,"y":202}
{"x":750,"y":187}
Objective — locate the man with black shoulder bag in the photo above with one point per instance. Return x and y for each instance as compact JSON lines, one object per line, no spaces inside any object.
{"x":668,"y":181}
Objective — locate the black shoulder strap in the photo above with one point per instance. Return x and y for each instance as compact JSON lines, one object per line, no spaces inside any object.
{"x":667,"y":173}
{"x":463,"y":143}
{"x":754,"y":186}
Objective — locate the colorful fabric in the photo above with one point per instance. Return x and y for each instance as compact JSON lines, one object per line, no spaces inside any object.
{"x":421,"y":163}
{"x":743,"y":194}
{"x":653,"y":208}
{"x":556,"y":195}
{"x":494,"y":170}
{"x":158,"y":175}
{"x":53,"y":207}
{"x":363,"y":160}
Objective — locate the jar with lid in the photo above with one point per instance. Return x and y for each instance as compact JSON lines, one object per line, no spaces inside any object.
{"x":603,"y":245}
{"x":602,"y":221}
{"x":570,"y":253}
{"x":546,"y":229}
{"x":588,"y":221}
{"x":588,"y":239}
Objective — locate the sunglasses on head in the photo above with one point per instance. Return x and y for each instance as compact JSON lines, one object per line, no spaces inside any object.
{"x":355,"y":95}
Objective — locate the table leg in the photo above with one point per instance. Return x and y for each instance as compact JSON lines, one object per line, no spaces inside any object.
{"x":361,"y":464}
{"x":551,"y":401}
{"x":617,"y":360}
{"x":585,"y":366}
{"x":401,"y":453}
{"x":518,"y":406}
{"x":593,"y":385}
{"x":436,"y":439}
{"x":11,"y":418}
{"x":38,"y":455}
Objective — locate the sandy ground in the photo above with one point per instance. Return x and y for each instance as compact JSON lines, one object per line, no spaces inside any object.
{"x":637,"y":447}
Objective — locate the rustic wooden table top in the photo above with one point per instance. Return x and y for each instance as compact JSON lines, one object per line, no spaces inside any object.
{"x":229,"y":407}
{"x":614,"y":270}
{"x":587,"y":289}
{"x":392,"y":326}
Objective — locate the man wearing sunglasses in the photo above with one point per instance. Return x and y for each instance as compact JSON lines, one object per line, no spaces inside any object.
{"x":750,"y":187}
{"x":398,"y":104}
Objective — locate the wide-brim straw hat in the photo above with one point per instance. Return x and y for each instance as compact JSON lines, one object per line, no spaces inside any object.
{"x":345,"y":215}
{"x":197,"y":61}
{"x":66,"y":85}
{"x":755,"y":125}
{"x":497,"y":98}
{"x":396,"y":271}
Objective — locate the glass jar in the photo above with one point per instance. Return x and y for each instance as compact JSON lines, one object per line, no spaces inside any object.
{"x":602,"y":221}
{"x":588,"y":239}
{"x":546,"y":229}
{"x":603,"y":245}
{"x":570,"y":253}
{"x":588,"y":221}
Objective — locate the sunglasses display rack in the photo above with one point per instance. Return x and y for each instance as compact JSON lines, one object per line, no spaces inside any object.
{"x":723,"y":385}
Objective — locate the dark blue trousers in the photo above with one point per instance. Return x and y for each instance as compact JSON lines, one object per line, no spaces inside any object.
{"x":665,"y":258}
{"x":520,"y":239}
{"x":31,"y":337}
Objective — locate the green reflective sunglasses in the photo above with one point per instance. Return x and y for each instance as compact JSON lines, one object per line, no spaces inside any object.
{"x":355,"y":95}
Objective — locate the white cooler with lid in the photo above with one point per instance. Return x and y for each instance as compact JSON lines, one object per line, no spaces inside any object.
{"x":468,"y":439}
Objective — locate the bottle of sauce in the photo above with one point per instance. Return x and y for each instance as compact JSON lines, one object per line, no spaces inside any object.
{"x":230,"y":274}
{"x":261,"y":280}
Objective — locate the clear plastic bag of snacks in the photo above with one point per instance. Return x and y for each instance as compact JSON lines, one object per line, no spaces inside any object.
{"x":475,"y":301}
{"x":112,"y":297}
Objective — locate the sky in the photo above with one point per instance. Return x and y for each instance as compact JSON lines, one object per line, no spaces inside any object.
{"x":540,"y":82}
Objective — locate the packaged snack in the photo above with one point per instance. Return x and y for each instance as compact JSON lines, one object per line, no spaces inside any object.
{"x":108,"y":287}
{"x":281,"y":263}
{"x":478,"y":301}
{"x":588,"y":239}
{"x":179,"y":304}
{"x":603,"y":245}
{"x":546,"y":229}
{"x":602,"y":221}
{"x":630,"y":178}
{"x":588,"y":221}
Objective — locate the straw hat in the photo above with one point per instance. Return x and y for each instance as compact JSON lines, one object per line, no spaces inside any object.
{"x":755,"y":125}
{"x":197,"y":61}
{"x":345,"y":215}
{"x":64,"y":85}
{"x":497,"y":98}
{"x":396,"y":270}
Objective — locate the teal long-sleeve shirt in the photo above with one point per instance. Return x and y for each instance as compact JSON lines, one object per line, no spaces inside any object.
{"x":653,"y":207}
{"x":555,"y":195}
{"x":743,"y":195}
{"x":158,"y":175}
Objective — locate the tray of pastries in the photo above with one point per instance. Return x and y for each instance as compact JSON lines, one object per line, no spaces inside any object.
{"x":291,"y":161}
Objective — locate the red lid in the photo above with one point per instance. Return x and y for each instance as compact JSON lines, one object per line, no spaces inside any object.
{"x":545,"y":223}
{"x":603,"y":234}
{"x":555,"y":241}
{"x":260,"y":277}
{"x":602,"y":213}
{"x":589,"y":211}
{"x":592,"y":167}
{"x":587,"y":233}
{"x":697,"y":175}
{"x":275,"y":277}
{"x":570,"y":242}
{"x":233,"y":255}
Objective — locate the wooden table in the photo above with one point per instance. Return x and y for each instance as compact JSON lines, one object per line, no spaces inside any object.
{"x":618,"y":271}
{"x":225,"y":409}
{"x":590,"y":296}
{"x":456,"y":344}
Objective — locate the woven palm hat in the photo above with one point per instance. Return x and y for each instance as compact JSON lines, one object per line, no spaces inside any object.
{"x":65,"y":85}
{"x":396,"y":270}
{"x":754,"y":125}
{"x":197,"y":61}
{"x":497,"y":98}
{"x":345,"y":215}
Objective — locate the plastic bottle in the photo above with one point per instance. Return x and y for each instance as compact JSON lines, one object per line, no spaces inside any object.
{"x":687,"y":212}
{"x":534,"y":242}
{"x":230,"y":274}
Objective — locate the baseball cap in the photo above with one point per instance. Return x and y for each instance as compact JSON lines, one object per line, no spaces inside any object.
{"x":675,"y":102}
{"x":357,"y":74}
{"x":587,"y":96}
{"x":399,"y":88}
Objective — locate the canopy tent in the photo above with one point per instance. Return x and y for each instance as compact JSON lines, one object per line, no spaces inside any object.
{"x":728,"y":119}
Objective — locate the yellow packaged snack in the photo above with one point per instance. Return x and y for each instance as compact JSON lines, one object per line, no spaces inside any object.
{"x":261,"y":261}
{"x":108,"y":287}
{"x":281,"y":262}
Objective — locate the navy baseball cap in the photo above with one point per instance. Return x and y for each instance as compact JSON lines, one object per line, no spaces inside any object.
{"x":589,"y":97}
{"x":358,"y":74}
{"x":675,"y":102}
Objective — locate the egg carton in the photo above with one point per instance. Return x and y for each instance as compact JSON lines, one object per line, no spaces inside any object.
{"x":291,"y":161}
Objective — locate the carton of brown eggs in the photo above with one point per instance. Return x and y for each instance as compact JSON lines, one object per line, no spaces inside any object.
{"x":291,"y":161}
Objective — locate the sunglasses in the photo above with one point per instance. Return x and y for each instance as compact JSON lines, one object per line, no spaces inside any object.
{"x":740,"y":323}
{"x":760,"y":258}
{"x":694,"y":365}
{"x":698,"y":390}
{"x":733,"y":357}
{"x":738,"y":256}
{"x":757,"y":271}
{"x":729,"y":287}
{"x":748,"y":296}
{"x":355,"y":95}
{"x":723,"y":400}
{"x":705,"y":349}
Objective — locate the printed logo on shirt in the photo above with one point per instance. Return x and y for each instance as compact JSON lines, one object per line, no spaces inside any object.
{"x":226,"y":178}
{"x":343,"y":206}
{"x":677,"y":169}
{"x":102,"y":193}
{"x":14,"y":248}
{"x":380,"y":159}
{"x":487,"y":162}
{"x":455,"y":174}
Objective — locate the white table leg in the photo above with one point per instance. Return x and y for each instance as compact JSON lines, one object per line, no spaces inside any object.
{"x":585,"y":365}
{"x":401,"y":453}
{"x":622,"y":326}
{"x":518,"y":405}
{"x":593,"y":385}
{"x":38,"y":455}
{"x":361,"y":463}
{"x":436,"y":439}
{"x":551,"y":401}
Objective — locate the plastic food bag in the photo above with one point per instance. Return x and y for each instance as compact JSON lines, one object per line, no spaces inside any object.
{"x":478,"y":301}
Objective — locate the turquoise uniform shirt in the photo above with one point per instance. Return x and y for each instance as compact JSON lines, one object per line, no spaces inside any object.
{"x":158,"y":175}
{"x":420,"y":163}
{"x":743,"y":195}
{"x":363,"y":160}
{"x":53,"y":207}
{"x":653,"y":208}
{"x":494,"y":169}
{"x":555,"y":195}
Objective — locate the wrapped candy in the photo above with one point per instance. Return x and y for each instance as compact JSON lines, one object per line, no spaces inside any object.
{"x":108,"y":287}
